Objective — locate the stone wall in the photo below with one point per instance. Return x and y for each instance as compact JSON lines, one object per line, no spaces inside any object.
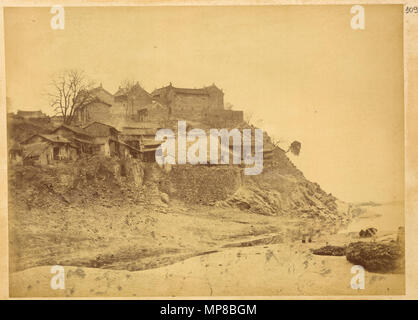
{"x":95,"y":111}
{"x":154,"y":112}
{"x":224,"y":118}
{"x":202,"y":184}
{"x":190,"y":107}
{"x":216,"y":98}
{"x":191,"y":101}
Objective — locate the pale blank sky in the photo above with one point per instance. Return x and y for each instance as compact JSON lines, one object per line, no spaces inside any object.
{"x":300,"y":69}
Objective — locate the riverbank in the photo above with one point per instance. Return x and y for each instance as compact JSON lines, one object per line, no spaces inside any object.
{"x":273,"y":270}
{"x":135,"y":238}
{"x":262,"y":256}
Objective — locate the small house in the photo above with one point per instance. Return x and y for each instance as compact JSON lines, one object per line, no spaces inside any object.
{"x":98,"y":108}
{"x":134,"y":135}
{"x":78,"y":136}
{"x":132,"y":100}
{"x":105,"y":137}
{"x":16,"y":154}
{"x":148,"y":149}
{"x":46,"y":149}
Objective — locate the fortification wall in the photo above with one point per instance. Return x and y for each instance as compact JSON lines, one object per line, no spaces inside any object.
{"x":95,"y":111}
{"x":202,"y":184}
{"x":225,"y":118}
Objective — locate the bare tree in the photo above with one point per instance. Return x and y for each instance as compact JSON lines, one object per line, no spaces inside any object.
{"x":70,"y":91}
{"x":127,"y":87}
{"x":276,"y":141}
{"x":248,"y":117}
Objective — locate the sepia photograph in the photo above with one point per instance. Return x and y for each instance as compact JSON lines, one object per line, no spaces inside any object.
{"x":205,"y":150}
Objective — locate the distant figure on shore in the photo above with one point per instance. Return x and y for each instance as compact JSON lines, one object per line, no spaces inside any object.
{"x":310,"y":230}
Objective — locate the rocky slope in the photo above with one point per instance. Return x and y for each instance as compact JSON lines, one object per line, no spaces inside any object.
{"x":280,"y":190}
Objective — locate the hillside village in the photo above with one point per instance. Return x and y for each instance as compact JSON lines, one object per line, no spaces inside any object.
{"x":121,"y":125}
{"x":115,"y":134}
{"x":95,"y":181}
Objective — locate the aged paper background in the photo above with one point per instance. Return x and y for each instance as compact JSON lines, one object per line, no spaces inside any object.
{"x":411,"y":116}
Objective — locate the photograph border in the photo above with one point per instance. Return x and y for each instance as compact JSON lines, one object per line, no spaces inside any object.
{"x":410,"y":54}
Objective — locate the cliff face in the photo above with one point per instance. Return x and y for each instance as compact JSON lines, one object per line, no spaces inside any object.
{"x":281,"y":189}
{"x":275,"y":193}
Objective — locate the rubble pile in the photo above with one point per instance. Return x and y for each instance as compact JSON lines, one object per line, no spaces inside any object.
{"x":283,"y":190}
{"x":88,"y":181}
{"x":278,"y":190}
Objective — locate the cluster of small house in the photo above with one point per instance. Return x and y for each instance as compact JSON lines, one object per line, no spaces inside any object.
{"x":71,"y":142}
{"x":121,"y":124}
{"x":167,"y":103}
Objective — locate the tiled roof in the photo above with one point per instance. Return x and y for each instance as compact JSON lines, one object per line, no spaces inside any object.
{"x":73,"y":129}
{"x":83,"y":141}
{"x":138,"y":131}
{"x":122,"y":91}
{"x":198,"y":91}
{"x":101,"y":88}
{"x":191,"y":91}
{"x":97,"y":99}
{"x":150,"y":142}
{"x":48,"y":137}
{"x":54,"y":138}
{"x":101,"y":123}
{"x":108,"y":97}
{"x":94,"y":100}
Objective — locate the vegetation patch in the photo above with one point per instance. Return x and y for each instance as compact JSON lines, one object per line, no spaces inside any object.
{"x":330,"y":251}
{"x":377,"y":257}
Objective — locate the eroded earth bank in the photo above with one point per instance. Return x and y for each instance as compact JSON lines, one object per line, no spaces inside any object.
{"x":130,"y":228}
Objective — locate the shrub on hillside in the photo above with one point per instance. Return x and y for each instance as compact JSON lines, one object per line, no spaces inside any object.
{"x":376,"y":257}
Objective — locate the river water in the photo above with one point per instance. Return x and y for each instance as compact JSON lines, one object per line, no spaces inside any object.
{"x":385,"y":218}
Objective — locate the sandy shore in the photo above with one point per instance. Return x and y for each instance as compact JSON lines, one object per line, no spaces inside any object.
{"x":274,"y":270}
{"x":262,"y":270}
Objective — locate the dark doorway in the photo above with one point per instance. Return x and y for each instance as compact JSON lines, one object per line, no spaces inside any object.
{"x":56,"y":153}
